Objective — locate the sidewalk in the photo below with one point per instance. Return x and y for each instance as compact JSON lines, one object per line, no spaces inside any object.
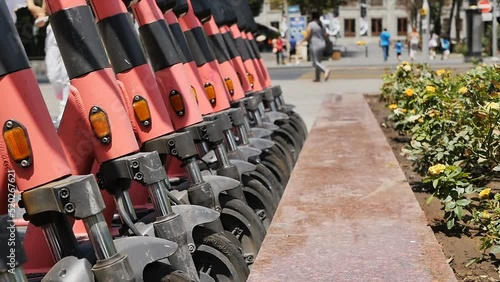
{"x":373,"y":59}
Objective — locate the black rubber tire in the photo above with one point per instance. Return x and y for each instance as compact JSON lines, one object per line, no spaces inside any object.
{"x":261,"y":200}
{"x":278,"y":168}
{"x":281,"y":145}
{"x":292,"y":129}
{"x":300,"y":122}
{"x":159,"y":271}
{"x":237,"y":216}
{"x":234,"y":269}
{"x":292,"y":144}
{"x":266,"y":178}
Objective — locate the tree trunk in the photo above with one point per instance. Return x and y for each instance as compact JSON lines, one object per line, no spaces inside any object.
{"x":448,"y":28}
{"x":458,"y":21}
{"x":437,"y":24}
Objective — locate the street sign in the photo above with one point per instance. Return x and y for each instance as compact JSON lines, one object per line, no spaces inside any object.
{"x":484,"y":5}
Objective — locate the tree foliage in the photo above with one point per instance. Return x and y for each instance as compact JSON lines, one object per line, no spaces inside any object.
{"x":256,"y":6}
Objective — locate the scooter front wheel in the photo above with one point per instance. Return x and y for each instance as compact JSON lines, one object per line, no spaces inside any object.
{"x":218,"y":258}
{"x":240,"y":220}
{"x":162,"y":272}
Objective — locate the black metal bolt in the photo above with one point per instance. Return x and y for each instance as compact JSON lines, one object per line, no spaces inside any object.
{"x":191,"y":248}
{"x":25,"y":163}
{"x":174,"y":151}
{"x":171,"y":142}
{"x":139,"y":176}
{"x":105,"y":140}
{"x":137,"y":98}
{"x":9,"y":124}
{"x":69,"y":208}
{"x":64,"y":193}
{"x":94,"y":110}
{"x":146,"y":123}
{"x":135,"y":164}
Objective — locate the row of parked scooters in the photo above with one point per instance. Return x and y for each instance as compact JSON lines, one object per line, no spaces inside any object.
{"x":173,"y":151}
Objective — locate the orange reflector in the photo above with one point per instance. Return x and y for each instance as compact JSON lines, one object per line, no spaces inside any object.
{"x":230,"y":86}
{"x":210,"y":91}
{"x":193,"y":91}
{"x":17,"y":143}
{"x":141,"y":110}
{"x":100,"y":125}
{"x":250,"y":79}
{"x":177,"y":102}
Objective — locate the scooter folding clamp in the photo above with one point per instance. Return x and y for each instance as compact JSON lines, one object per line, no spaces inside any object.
{"x":76,"y":195}
{"x":208,"y":131}
{"x":236,"y":116}
{"x":145,"y":168}
{"x":252,"y":103}
{"x":179,"y":144}
{"x":221,"y":118}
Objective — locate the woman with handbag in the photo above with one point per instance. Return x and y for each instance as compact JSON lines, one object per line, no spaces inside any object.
{"x":316,"y":35}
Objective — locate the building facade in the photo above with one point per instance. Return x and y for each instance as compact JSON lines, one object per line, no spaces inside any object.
{"x":391,"y":14}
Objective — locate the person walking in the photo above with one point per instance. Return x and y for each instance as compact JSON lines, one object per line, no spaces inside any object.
{"x":399,"y":49}
{"x":385,"y":42}
{"x":433,"y":44}
{"x":316,"y":35}
{"x":293,"y":51}
{"x":278,"y":49}
{"x":56,"y":71}
{"x":445,"y":47}
{"x":413,"y":42}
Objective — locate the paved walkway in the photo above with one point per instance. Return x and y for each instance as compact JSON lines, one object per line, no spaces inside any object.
{"x":348,"y":213}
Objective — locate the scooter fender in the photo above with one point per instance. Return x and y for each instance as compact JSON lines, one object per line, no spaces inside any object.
{"x":270,"y":126}
{"x":272,"y":117}
{"x":142,"y":251}
{"x":191,"y":216}
{"x":249,"y":152}
{"x":243,"y":166}
{"x":220,"y":184}
{"x":286,"y":108}
{"x":261,"y":143}
{"x":259,"y":132}
{"x":73,"y":268}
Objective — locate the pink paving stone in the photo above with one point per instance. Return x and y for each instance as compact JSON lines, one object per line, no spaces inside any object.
{"x":348,"y":213}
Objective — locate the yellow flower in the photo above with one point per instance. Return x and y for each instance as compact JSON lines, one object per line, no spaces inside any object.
{"x":412,"y":111}
{"x":436,"y":169}
{"x":463,"y":90}
{"x":393,"y":106}
{"x":420,"y":120}
{"x":432,"y":115}
{"x":492,"y":105}
{"x":430,"y":88}
{"x":407,"y":67}
{"x":485,"y":193}
{"x":404,"y":110}
{"x":440,"y":72}
{"x":409,"y":92}
{"x":485,"y":215}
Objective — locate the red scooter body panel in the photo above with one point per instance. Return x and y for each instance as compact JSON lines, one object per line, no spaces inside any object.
{"x":227,"y":69}
{"x":249,"y":64}
{"x":94,"y":85}
{"x":141,"y":81}
{"x":209,"y":72}
{"x":175,"y":79}
{"x":260,"y":62}
{"x":193,"y":74}
{"x":26,"y":106}
{"x":238,"y":65}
